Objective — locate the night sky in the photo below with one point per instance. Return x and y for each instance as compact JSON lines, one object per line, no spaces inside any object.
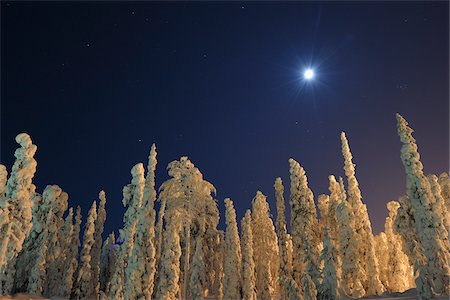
{"x":95,"y":84}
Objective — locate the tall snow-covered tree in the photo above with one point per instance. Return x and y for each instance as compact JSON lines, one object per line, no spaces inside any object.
{"x":367,"y":256}
{"x":97,"y":246}
{"x":399,"y":272}
{"x":432,"y":234}
{"x":232,"y":255}
{"x":71,"y":262}
{"x":132,"y":197}
{"x":47,"y":220}
{"x":141,"y":270}
{"x":188,"y":193}
{"x":333,"y":223}
{"x":83,"y":283}
{"x":198,"y":274}
{"x":303,"y":223}
{"x":352,"y":269}
{"x":16,"y":216}
{"x":107,"y":262}
{"x":56,"y":241}
{"x":265,"y":247}
{"x":37,"y":274}
{"x":329,"y":287}
{"x":440,"y":205}
{"x":248,"y":263}
{"x":285,"y":259}
{"x":168,"y":286}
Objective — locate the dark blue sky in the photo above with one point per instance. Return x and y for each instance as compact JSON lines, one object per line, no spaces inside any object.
{"x":95,"y":84}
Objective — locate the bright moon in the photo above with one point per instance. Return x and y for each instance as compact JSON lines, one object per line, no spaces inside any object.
{"x":309,"y":74}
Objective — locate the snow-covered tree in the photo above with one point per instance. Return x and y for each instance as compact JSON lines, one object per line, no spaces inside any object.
{"x":285,"y":258}
{"x":303,"y":223}
{"x":232,"y":255}
{"x":367,"y":256}
{"x":336,"y":196}
{"x":248,"y":263}
{"x":97,"y":246}
{"x":440,"y":205}
{"x":398,"y":269}
{"x":107,"y":262}
{"x":168,"y":287}
{"x":198,"y":274}
{"x":71,"y":262}
{"x":329,"y":287}
{"x":16,"y":206}
{"x":140,"y":270}
{"x":189,"y":194}
{"x":57,"y":200}
{"x":265,"y":247}
{"x":37,"y":274}
{"x":433,"y":239}
{"x":83,"y":283}
{"x":132,"y":197}
{"x":352,"y":269}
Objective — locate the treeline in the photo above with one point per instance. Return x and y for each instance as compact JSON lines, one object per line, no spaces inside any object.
{"x":179,"y":253}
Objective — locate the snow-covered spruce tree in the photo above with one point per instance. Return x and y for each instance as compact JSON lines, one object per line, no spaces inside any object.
{"x":285,"y":259}
{"x":328,"y":288}
{"x":159,"y":230}
{"x":265,"y":248}
{"x":97,"y":246}
{"x":198,"y":275}
{"x":372,"y":283}
{"x":382,"y":252}
{"x":71,"y":261}
{"x":83,"y":284}
{"x":248,"y":264}
{"x":47,"y":220}
{"x":309,"y":286}
{"x":303,"y":223}
{"x":404,"y":226}
{"x":399,"y":275}
{"x":440,"y":204}
{"x":56,"y":241}
{"x":188,"y":193}
{"x":132,"y":197}
{"x":16,"y":206}
{"x":218,"y":263}
{"x":232,"y":255}
{"x":140,"y":271}
{"x":168,"y":287}
{"x":352,"y":270}
{"x":333,"y":222}
{"x":37,"y":275}
{"x":107,"y":262}
{"x":432,"y":233}
{"x":3,"y":178}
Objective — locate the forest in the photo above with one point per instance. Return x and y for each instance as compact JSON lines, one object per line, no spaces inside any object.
{"x":178,"y":251}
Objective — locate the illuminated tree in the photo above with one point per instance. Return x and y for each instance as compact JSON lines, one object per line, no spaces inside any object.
{"x":367,"y":256}
{"x":16,"y":210}
{"x":83,"y":283}
{"x":232,"y":255}
{"x":97,"y":246}
{"x":433,"y":256}
{"x":141,"y":269}
{"x":304,"y":224}
{"x":248,"y":263}
{"x":132,"y":197}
